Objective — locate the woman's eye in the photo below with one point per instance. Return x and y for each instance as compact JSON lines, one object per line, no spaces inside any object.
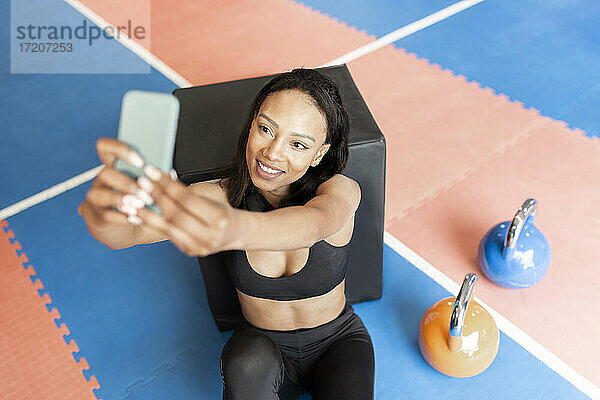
{"x":303,"y":146}
{"x":264,"y":129}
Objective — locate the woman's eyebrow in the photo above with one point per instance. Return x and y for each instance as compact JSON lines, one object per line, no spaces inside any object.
{"x":304,"y":135}
{"x":269,"y":119}
{"x":276,"y":125}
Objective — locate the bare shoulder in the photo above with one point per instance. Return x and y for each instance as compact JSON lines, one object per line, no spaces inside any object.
{"x":345,"y":195}
{"x":345,"y":190}
{"x":210,"y":189}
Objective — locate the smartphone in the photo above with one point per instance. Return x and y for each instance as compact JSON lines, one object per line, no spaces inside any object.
{"x":148,"y":124}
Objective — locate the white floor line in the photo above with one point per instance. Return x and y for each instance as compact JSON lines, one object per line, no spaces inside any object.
{"x":132,"y":45}
{"x":526,"y":341}
{"x":50,"y":192}
{"x":404,"y":31}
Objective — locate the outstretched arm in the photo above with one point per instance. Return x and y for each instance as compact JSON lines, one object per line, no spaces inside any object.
{"x":202,"y":226}
{"x":297,"y":227}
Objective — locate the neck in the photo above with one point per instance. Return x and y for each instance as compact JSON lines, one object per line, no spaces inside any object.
{"x":273,"y":198}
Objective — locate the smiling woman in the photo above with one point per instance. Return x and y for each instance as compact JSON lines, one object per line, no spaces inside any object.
{"x":290,"y":155}
{"x":277,"y":156}
{"x":304,"y":110}
{"x":285,"y":215}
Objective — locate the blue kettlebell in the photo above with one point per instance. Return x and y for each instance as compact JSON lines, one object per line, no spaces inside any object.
{"x":515,"y":255}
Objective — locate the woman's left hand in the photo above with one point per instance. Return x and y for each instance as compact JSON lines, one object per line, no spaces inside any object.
{"x":197,"y":225}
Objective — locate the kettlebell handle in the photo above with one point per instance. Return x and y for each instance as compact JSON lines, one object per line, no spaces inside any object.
{"x":461,"y":303}
{"x":526,"y":211}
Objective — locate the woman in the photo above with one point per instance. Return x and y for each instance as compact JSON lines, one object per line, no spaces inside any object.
{"x":287,"y":214}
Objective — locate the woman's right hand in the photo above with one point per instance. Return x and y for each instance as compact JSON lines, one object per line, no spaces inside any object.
{"x":113,"y":189}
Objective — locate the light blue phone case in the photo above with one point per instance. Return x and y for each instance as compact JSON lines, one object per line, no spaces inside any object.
{"x":148,"y":124}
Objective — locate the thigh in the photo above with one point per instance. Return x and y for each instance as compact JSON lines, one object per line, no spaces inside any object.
{"x":346,"y":370}
{"x":251,"y":366}
{"x":290,"y":389}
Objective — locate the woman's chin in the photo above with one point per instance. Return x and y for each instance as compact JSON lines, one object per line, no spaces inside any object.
{"x":261,"y":183}
{"x":267,"y":186}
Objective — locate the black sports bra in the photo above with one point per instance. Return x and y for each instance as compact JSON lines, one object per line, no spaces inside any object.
{"x":324,"y":269}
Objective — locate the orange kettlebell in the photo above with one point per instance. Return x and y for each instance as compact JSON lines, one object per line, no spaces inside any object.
{"x":458,"y":337}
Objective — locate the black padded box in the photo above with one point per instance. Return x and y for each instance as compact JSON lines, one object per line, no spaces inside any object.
{"x":210,"y":121}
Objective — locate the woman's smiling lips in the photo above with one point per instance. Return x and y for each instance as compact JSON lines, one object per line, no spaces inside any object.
{"x":267,"y":175}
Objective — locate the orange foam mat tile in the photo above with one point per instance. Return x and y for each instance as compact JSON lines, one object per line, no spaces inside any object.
{"x":36,"y":361}
{"x":211,"y":41}
{"x":560,"y":169}
{"x":437,"y":125}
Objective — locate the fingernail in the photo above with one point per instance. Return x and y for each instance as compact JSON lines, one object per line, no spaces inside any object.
{"x":133,"y":201}
{"x":152,"y":172}
{"x":134,"y":219}
{"x":145,"y":184}
{"x":173,"y":174}
{"x":145,"y":197}
{"x":127,"y":209}
{"x":135,"y":159}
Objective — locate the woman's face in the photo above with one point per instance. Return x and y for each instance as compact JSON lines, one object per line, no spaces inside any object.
{"x":287,"y":137}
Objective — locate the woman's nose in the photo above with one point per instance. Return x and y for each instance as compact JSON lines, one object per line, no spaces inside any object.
{"x":273,"y":152}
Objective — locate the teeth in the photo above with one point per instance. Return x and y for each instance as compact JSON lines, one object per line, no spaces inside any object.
{"x":267,"y":169}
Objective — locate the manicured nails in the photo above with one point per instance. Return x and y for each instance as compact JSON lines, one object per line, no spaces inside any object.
{"x":128,"y":209}
{"x":152,"y":172}
{"x":134,"y":219}
{"x":144,"y":197}
{"x":173,"y":174}
{"x":145,"y":184}
{"x":131,"y":200}
{"x":135,"y":159}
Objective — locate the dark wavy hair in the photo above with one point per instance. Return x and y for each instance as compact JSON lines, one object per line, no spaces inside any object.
{"x":326,"y":97}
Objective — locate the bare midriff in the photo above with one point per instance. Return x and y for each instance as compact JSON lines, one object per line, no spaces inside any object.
{"x":287,"y":315}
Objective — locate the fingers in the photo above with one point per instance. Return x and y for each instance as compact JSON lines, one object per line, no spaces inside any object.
{"x":105,"y":198}
{"x":157,"y":186}
{"x":178,"y":220}
{"x":111,"y":149}
{"x":184,"y":232}
{"x":112,"y":217}
{"x":112,"y":189}
{"x":171,"y":195}
{"x":193,"y":223}
{"x":102,"y":216}
{"x":174,"y":214}
{"x":112,"y":178}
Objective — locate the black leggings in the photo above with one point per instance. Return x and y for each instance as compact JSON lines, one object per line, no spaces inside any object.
{"x":332,"y":361}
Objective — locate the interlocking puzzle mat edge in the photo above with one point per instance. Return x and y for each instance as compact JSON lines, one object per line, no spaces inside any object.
{"x":42,"y":361}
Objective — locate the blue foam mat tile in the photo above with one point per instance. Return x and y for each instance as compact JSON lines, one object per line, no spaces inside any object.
{"x":544,"y":53}
{"x":377,"y":17}
{"x":197,"y":376}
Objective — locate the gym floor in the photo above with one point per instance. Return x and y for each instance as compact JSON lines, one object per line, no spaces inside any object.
{"x":483,"y":105}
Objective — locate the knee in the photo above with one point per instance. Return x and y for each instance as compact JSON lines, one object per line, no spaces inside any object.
{"x":250,"y":355}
